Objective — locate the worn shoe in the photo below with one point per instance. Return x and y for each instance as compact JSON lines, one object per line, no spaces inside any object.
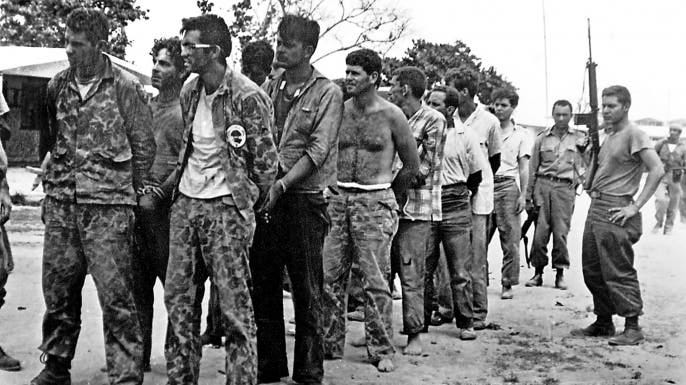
{"x":657,"y":228}
{"x":8,"y":363}
{"x":55,"y":372}
{"x":595,"y":330}
{"x":627,"y":338}
{"x":536,"y":280}
{"x":207,"y":339}
{"x":467,"y":334}
{"x":560,"y":281}
{"x":479,"y":325}
{"x":668,"y":230}
{"x":507,"y":293}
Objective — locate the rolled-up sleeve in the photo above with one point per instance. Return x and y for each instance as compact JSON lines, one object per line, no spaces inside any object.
{"x":324,"y":137}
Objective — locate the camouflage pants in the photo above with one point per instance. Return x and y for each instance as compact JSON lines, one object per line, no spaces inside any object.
{"x":209,"y":238}
{"x":95,"y":239}
{"x":362,"y":226}
{"x":6,"y":263}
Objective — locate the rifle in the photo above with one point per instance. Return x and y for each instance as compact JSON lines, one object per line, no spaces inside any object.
{"x":531,"y":219}
{"x":590,"y":119}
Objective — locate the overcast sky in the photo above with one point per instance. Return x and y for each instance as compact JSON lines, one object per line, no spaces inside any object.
{"x":638,"y":44}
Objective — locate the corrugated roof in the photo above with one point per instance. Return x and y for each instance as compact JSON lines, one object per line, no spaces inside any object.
{"x":43,"y":62}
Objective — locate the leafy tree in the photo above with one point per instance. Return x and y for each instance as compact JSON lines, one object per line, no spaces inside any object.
{"x":436,"y":59}
{"x":42,"y":23}
{"x":350,"y":23}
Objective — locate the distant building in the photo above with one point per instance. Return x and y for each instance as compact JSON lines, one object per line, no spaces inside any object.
{"x":26,"y":72}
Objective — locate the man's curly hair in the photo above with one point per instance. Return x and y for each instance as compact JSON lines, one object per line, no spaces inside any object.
{"x":90,"y":21}
{"x":173,"y":47}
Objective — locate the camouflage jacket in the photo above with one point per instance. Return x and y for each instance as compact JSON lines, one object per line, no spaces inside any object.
{"x":242,"y":116}
{"x":103,"y":144}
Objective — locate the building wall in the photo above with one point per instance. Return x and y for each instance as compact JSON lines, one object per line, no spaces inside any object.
{"x":26,"y":118}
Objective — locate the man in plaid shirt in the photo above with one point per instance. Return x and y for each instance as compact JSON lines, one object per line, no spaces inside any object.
{"x":422,"y":204}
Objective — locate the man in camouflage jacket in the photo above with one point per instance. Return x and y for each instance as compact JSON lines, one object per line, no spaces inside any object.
{"x":102,"y":149}
{"x":226,"y":164}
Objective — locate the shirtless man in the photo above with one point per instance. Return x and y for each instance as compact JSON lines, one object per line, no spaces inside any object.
{"x":364,"y":210}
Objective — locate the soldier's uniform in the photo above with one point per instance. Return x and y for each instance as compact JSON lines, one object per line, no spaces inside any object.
{"x":210,"y":234}
{"x":103,"y":148}
{"x":555,"y":168}
{"x":669,"y":192}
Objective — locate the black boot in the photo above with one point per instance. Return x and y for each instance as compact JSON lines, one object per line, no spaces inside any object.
{"x":537,"y":279}
{"x":56,"y":372}
{"x":560,"y":280}
{"x":8,"y":363}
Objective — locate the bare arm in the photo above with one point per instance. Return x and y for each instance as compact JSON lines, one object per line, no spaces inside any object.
{"x":655,"y":172}
{"x":523,"y":163}
{"x":406,"y":147}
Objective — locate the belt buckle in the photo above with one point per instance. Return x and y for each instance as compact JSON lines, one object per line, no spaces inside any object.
{"x":595,"y":194}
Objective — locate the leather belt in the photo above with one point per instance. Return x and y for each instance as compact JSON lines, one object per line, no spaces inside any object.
{"x":556,"y":179}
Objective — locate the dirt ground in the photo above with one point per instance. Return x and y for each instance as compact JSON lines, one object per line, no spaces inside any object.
{"x":532,"y":345}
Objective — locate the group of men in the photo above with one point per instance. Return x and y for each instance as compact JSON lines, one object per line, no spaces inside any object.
{"x":222,"y":178}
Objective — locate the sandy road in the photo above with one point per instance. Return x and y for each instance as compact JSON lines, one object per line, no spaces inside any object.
{"x":532,"y":346}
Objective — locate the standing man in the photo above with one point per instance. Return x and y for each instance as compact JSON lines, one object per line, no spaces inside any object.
{"x":364,"y":212}
{"x":614,"y":223}
{"x":422,"y":204}
{"x":256,"y":63}
{"x":226,"y":164}
{"x":672,"y":153}
{"x":460,"y":177}
{"x":510,"y":197}
{"x":6,"y":263}
{"x":308,"y":111}
{"x":152,"y":215}
{"x":556,"y":164}
{"x":487,"y":129}
{"x":101,"y":153}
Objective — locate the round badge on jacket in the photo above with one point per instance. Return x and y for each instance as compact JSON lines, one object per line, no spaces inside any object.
{"x":236,"y":136}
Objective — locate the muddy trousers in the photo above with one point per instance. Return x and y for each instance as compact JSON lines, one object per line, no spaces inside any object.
{"x":408,"y":256}
{"x":556,"y":206}
{"x":453,"y":232}
{"x":294,"y":238}
{"x":151,"y":256}
{"x":667,"y":198}
{"x":95,"y":239}
{"x":209,"y":238}
{"x":362,"y":226}
{"x":508,"y":223}
{"x":607,"y":258}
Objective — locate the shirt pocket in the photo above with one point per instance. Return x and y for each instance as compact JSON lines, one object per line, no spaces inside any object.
{"x":304,"y":120}
{"x":548,"y":153}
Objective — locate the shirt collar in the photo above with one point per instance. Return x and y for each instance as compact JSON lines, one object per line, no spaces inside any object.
{"x":312,"y":79}
{"x":549,"y":130}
